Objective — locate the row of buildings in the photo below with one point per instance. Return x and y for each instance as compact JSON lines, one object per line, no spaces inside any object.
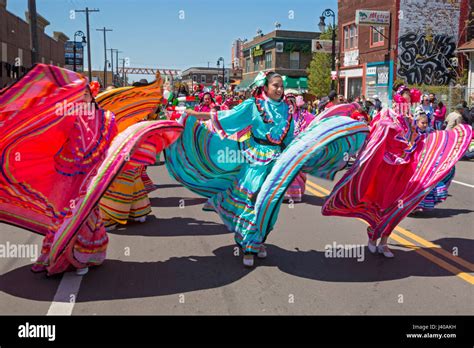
{"x":15,"y":47}
{"x":415,"y":41}
{"x":286,"y":52}
{"x":418,"y":42}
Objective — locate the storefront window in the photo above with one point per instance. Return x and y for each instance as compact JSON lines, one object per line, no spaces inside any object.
{"x":376,"y":83}
{"x":354,"y":87}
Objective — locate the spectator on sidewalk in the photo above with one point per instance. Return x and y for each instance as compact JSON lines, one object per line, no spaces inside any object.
{"x":439,"y":116}
{"x":455,"y":117}
{"x":467,"y":114}
{"x":426,"y":107}
{"x":328,"y":101}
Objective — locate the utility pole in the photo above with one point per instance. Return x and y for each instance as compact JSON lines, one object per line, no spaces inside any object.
{"x":117,"y":60}
{"x":112,"y":62}
{"x":123,"y":72}
{"x":89,"y":65}
{"x":33,"y":32}
{"x":105,"y":30}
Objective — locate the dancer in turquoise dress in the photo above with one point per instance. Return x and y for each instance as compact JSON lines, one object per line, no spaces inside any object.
{"x":240,"y":159}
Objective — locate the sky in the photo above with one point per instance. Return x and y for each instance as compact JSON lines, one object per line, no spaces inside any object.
{"x":174,"y":34}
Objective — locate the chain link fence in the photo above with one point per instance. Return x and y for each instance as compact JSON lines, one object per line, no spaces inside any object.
{"x":459,"y":94}
{"x":451,"y":95}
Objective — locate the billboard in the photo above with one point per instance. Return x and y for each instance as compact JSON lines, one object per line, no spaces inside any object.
{"x":370,"y":17}
{"x":69,"y":55}
{"x":324,"y":46}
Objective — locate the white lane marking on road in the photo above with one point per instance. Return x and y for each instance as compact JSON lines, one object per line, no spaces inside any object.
{"x":66,"y":295}
{"x":463,"y":183}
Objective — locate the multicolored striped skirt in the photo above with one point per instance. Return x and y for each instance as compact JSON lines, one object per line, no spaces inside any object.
{"x":296,"y":190}
{"x":438,"y":194}
{"x":247,"y":196}
{"x":88,"y":247}
{"x":126,"y":198}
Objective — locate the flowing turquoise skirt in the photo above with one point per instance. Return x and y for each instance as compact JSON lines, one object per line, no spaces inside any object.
{"x":247,"y":194}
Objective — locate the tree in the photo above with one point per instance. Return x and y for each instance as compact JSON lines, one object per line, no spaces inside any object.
{"x":319,"y":70}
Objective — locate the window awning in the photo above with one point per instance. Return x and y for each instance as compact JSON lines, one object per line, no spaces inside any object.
{"x":295,"y":82}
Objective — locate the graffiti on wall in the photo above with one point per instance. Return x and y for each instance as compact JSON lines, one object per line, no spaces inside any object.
{"x":425,"y":59}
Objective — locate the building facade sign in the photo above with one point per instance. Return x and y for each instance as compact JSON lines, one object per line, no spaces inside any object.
{"x":257,"y":51}
{"x":351,"y":58}
{"x":324,"y":46}
{"x":370,"y":17}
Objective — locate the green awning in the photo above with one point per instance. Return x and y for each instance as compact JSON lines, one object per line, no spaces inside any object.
{"x":295,"y":82}
{"x":298,"y":83}
{"x":243,"y":85}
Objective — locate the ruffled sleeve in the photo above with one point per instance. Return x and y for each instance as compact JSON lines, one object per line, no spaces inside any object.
{"x":228,"y":122}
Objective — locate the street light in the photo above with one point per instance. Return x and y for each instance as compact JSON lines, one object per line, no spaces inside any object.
{"x":78,"y":33}
{"x":223,"y":72}
{"x":322,"y":26}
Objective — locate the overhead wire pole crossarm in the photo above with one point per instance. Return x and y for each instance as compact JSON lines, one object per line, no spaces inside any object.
{"x":89,"y":64}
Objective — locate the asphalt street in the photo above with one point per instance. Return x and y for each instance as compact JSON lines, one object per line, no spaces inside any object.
{"x":182,"y":260}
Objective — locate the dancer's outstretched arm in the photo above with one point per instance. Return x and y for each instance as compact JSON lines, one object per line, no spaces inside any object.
{"x":199,"y":115}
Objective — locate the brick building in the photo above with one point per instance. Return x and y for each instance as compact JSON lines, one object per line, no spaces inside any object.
{"x":365,"y":59}
{"x":204,"y":76}
{"x":423,"y":35}
{"x":237,"y":59}
{"x":15,"y":46}
{"x":286,"y":52}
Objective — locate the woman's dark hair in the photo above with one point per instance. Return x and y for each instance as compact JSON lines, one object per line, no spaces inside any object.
{"x":271,"y":75}
{"x":257,"y":92}
{"x":142,"y":83}
{"x":202,"y":98}
{"x":93,"y":98}
{"x":291,"y":99}
{"x":440,"y":104}
{"x":182,"y":89}
{"x":397,"y":86}
{"x":378,"y":105}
